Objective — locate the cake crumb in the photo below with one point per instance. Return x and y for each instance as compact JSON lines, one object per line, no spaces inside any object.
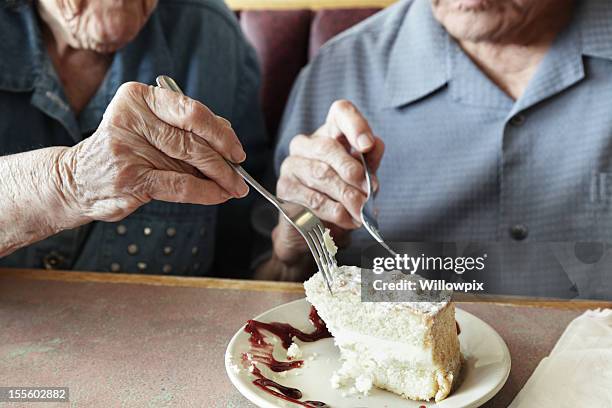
{"x":329,"y":243}
{"x":294,"y":351}
{"x":363,"y":384}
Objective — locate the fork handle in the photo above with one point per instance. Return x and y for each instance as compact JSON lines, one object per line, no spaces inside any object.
{"x":164,"y":81}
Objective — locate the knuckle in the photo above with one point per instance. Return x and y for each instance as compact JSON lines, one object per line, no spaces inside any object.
{"x":322,"y":171}
{"x":315,"y":200}
{"x":351,"y":170}
{"x":193,"y":110}
{"x":282,"y":187}
{"x":337,"y":212}
{"x":349,"y":194}
{"x":179,"y":187}
{"x":286,"y":167}
{"x":130,"y":88}
{"x":296,"y":142}
{"x":342,"y":106}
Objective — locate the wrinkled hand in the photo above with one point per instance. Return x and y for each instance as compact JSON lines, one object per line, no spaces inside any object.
{"x":322,"y":174}
{"x":152,"y":144}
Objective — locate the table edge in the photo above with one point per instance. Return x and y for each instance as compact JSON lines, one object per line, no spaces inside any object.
{"x":259,"y":286}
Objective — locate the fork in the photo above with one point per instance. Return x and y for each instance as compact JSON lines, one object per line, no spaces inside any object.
{"x":368,"y":209}
{"x":301,"y":218}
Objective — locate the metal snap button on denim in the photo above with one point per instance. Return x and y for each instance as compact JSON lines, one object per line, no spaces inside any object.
{"x":132,"y":249}
{"x":519,"y":232}
{"x":517,"y":120}
{"x":52,"y":260}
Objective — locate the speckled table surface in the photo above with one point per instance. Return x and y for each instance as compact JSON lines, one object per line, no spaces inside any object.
{"x":151,"y":342}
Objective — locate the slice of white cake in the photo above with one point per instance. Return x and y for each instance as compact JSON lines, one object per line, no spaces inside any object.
{"x":411,"y":349}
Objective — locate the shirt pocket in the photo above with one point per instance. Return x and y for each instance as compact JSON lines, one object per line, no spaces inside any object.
{"x":600,"y":206}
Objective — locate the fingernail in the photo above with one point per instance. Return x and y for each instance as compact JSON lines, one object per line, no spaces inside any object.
{"x":364,"y":141}
{"x":242,"y":190}
{"x":226,"y":196}
{"x":375,"y":184}
{"x":238,"y":154}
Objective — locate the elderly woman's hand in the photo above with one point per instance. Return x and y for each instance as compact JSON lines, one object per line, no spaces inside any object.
{"x":152,"y":144}
{"x":322,"y":174}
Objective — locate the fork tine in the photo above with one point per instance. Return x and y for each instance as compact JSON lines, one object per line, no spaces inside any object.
{"x":316,"y":256}
{"x":321,"y":251}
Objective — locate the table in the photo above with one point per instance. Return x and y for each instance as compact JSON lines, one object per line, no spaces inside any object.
{"x":120,"y":340}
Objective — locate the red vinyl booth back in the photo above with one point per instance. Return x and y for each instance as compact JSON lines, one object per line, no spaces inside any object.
{"x":285,"y":40}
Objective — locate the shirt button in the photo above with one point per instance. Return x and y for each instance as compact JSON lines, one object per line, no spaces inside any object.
{"x":167,"y":250}
{"x":517,"y":120}
{"x":132,"y":249}
{"x":121,"y":229}
{"x":170,"y":231}
{"x":194,"y":250}
{"x":141,"y":266}
{"x":52,"y":260}
{"x":519,"y":232}
{"x":167,"y":268}
{"x":147,"y":231}
{"x":115,"y":267}
{"x":202,"y":231}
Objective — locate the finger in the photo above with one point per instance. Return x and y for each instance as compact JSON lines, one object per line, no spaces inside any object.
{"x":183,"y":188}
{"x":344,"y":119}
{"x":323,"y":206}
{"x":287,"y":241}
{"x":320,"y":176}
{"x":192,"y":116}
{"x":374,"y":156}
{"x":189,"y":148}
{"x":333,"y":153}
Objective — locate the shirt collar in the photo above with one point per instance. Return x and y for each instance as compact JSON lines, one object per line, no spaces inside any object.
{"x":594,"y":18}
{"x":418,"y":57}
{"x":28,"y":68}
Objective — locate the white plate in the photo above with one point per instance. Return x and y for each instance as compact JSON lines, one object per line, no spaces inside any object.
{"x":486,"y":367}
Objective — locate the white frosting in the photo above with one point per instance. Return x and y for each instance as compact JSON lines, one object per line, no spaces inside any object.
{"x":348,"y":279}
{"x":382,"y":349}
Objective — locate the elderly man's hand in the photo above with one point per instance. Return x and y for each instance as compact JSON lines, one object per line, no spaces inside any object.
{"x":322,"y":174}
{"x":152,"y":144}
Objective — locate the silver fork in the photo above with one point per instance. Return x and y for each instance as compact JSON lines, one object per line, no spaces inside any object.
{"x":302,"y":219}
{"x":368,"y":210}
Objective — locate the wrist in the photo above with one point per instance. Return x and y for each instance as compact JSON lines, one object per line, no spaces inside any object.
{"x":65,"y":196}
{"x":278,"y":270}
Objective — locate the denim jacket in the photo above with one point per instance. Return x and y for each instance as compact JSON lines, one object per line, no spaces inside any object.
{"x":197,"y":42}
